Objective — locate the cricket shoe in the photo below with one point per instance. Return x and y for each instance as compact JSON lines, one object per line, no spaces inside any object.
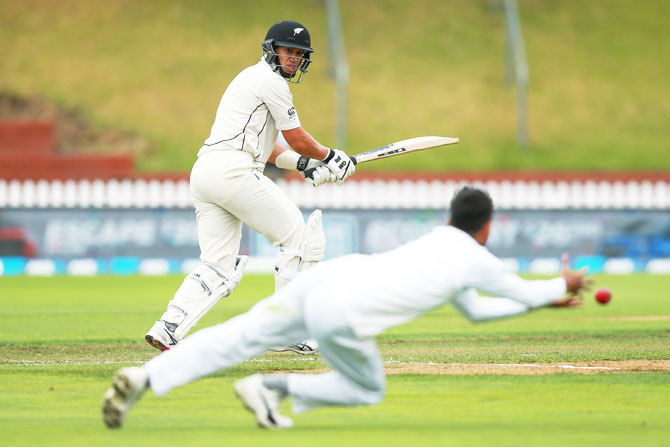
{"x":306,"y":347}
{"x":160,"y":336}
{"x":262,"y":402}
{"x":128,"y":386}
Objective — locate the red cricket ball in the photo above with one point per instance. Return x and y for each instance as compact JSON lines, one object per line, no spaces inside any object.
{"x":603,"y":295}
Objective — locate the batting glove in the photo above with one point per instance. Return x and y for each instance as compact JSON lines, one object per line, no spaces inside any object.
{"x":339,"y":164}
{"x":315,"y":172}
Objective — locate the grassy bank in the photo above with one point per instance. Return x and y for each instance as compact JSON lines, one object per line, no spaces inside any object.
{"x":598,"y":80}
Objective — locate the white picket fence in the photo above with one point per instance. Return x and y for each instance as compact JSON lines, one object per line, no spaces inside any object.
{"x":364,"y":194}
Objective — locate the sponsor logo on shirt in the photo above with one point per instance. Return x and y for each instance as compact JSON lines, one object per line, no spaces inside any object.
{"x":291,"y":112}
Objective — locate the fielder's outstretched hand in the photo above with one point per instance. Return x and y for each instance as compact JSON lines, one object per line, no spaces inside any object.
{"x":339,"y":164}
{"x":570,"y":301}
{"x":575,"y":282}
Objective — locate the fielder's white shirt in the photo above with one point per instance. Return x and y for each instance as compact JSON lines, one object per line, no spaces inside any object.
{"x":254,"y":108}
{"x":447,"y":265}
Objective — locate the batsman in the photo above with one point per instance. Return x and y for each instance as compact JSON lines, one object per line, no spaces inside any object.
{"x":228,"y":187}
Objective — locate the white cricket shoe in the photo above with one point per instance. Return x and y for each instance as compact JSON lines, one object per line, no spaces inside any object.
{"x":262,"y":401}
{"x":305,"y":347}
{"x":160,"y":336}
{"x":128,"y":386}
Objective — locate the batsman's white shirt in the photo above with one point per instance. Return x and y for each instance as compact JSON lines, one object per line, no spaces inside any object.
{"x":227,"y":182}
{"x":447,"y":265}
{"x":254,"y":108}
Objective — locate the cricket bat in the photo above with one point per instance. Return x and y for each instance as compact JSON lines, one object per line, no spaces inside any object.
{"x":402,"y":147}
{"x":397,"y":148}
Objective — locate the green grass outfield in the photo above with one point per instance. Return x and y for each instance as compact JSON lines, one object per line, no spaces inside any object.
{"x":62,"y":339}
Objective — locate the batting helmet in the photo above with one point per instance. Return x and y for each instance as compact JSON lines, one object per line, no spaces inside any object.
{"x":288,"y":34}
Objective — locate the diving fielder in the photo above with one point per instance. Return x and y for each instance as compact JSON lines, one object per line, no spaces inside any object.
{"x":344,"y":303}
{"x":228,"y":186}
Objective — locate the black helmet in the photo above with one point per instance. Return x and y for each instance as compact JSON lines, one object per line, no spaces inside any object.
{"x":287,"y":34}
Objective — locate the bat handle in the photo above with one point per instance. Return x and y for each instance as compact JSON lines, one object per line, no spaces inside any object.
{"x":353,"y":160}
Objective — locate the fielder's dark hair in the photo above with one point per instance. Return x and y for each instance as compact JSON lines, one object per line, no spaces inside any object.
{"x":471,"y":208}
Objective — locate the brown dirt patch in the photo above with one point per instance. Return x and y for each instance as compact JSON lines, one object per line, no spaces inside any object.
{"x":520,"y":369}
{"x":595,"y":367}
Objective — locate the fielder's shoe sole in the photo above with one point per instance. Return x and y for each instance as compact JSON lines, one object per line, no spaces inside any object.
{"x":128,"y":386}
{"x":262,"y":402}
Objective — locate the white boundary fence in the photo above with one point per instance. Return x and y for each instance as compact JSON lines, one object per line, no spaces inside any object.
{"x":362,"y":194}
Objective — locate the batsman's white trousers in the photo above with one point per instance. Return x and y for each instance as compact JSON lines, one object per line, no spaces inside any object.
{"x":305,"y":308}
{"x":227,"y":190}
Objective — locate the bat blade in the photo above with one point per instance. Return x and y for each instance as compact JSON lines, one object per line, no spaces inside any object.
{"x":401,"y":147}
{"x":397,"y":148}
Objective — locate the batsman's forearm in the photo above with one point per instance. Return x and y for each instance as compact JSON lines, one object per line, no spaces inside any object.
{"x":304,"y":144}
{"x":313,"y":150}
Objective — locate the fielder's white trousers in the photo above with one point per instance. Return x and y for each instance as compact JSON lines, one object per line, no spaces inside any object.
{"x":305,"y":308}
{"x":227,"y":190}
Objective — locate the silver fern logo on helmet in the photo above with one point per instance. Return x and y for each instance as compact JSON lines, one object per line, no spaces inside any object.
{"x":297,"y":31}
